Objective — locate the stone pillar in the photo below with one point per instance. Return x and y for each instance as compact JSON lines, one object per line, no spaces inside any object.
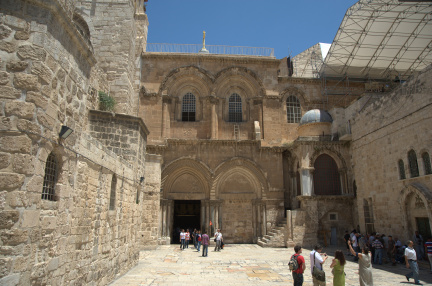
{"x":165,"y":116}
{"x":259,"y":105}
{"x":170,"y":216}
{"x":307,"y":181}
{"x":203,"y":216}
{"x":213,"y":117}
{"x":264,"y":219}
{"x":343,"y":181}
{"x":259,"y":221}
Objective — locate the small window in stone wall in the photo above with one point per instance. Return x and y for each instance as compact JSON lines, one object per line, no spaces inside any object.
{"x":413,"y":165}
{"x":50,"y":178}
{"x":235,"y":108}
{"x":426,"y":163}
{"x":293,"y":109}
{"x":113,"y":192}
{"x":188,"y":107}
{"x":333,"y":216}
{"x":401,"y":170}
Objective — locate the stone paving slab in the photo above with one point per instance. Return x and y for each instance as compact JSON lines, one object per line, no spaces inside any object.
{"x":245,"y":264}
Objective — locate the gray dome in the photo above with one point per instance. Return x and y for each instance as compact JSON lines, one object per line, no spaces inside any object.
{"x":316,"y":116}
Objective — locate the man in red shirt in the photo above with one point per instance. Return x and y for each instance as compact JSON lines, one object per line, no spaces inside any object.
{"x":298,"y":274}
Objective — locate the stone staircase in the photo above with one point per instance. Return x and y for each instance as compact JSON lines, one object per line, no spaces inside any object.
{"x":275,"y":236}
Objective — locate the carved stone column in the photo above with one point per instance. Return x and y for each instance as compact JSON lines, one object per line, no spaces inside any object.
{"x":343,"y":181}
{"x":258,"y":103}
{"x":214,"y":101}
{"x":307,"y":181}
{"x":165,"y":116}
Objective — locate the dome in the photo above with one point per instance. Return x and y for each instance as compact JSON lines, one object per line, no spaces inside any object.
{"x":316,"y":116}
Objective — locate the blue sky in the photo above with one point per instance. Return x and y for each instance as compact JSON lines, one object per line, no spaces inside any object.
{"x":285,"y":25}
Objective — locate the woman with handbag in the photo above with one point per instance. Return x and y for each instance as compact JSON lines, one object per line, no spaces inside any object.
{"x":365,"y":265}
{"x":317,"y":261}
{"x":338,"y":272}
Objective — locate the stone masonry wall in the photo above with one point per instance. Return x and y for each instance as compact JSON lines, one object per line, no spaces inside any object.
{"x":75,"y":239}
{"x":383,"y":133}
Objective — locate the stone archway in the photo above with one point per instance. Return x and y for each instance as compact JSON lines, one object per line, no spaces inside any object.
{"x":240,"y":187}
{"x":416,"y":203}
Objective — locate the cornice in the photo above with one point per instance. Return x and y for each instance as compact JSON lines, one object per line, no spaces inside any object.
{"x":299,"y":80}
{"x":243,"y":59}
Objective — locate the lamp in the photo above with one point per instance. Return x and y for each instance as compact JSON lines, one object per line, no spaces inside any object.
{"x":65,"y":132}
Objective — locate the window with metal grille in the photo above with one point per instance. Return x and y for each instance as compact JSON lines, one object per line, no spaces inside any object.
{"x":188,"y":107}
{"x":293,"y":109}
{"x":427,"y":163}
{"x":113,"y":192}
{"x":368,"y":214}
{"x":326,"y":176}
{"x":50,"y":178}
{"x":235,"y":108}
{"x":401,"y":170}
{"x":413,"y":165}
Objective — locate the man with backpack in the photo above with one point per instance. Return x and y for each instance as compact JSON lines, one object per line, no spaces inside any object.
{"x":297,"y":265}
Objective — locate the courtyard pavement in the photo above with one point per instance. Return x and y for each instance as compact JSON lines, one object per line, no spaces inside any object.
{"x":246,"y":264}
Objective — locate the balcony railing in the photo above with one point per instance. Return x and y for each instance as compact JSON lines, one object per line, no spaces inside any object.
{"x":212,"y":49}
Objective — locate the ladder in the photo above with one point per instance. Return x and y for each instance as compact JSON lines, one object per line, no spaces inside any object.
{"x":236,"y":132}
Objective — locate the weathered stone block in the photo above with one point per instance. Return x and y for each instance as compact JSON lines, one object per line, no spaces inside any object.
{"x":37,"y":99}
{"x":20,"y":109}
{"x":9,"y":92}
{"x":49,"y":222}
{"x":22,"y":35}
{"x":28,"y":126}
{"x":11,"y":181}
{"x":10,"y":280}
{"x":23,"y":164}
{"x":16,"y":66}
{"x":30,"y":218}
{"x":6,"y":122}
{"x":5,"y":160}
{"x":31,"y":52}
{"x":26,"y":81}
{"x":42,"y":71}
{"x":4,"y":78}
{"x":15,"y":22}
{"x":8,"y":46}
{"x":4,"y":32}
{"x":14,"y":144}
{"x":14,"y":237}
{"x":8,"y":219}
{"x":46,"y":120}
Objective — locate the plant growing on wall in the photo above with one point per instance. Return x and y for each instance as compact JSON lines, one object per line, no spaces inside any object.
{"x":106,"y":102}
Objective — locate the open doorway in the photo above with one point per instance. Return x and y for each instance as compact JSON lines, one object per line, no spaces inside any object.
{"x":186,"y":216}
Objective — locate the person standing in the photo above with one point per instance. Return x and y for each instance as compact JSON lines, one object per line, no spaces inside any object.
{"x":317,"y":260}
{"x":418,"y":244}
{"x":365,"y":265}
{"x":428,"y":251}
{"x":187,"y":238}
{"x":411,"y":262}
{"x":298,"y":273}
{"x":194,"y":237}
{"x":379,"y":247}
{"x":198,"y":240}
{"x":346,"y":238}
{"x":218,"y":237}
{"x":391,"y":248}
{"x":338,"y":265}
{"x":205,"y":243}
{"x":182,"y":239}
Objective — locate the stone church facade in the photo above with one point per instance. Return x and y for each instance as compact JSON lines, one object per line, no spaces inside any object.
{"x":194,"y":138}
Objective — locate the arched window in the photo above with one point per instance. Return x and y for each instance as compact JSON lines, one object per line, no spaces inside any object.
{"x":401,"y":170}
{"x":235,"y":108}
{"x":293,"y":109}
{"x":326,"y":176}
{"x":188,"y":107}
{"x":413,"y":165}
{"x":113,"y":192}
{"x":50,"y":178}
{"x":427,"y":163}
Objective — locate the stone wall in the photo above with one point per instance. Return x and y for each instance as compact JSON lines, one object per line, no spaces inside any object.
{"x":48,"y":77}
{"x":383,"y":133}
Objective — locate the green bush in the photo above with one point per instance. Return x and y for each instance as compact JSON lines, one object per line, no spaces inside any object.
{"x":106,"y":102}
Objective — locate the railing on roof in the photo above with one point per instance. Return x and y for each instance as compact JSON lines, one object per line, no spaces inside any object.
{"x":212,"y":49}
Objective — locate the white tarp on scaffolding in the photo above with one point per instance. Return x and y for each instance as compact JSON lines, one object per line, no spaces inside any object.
{"x":381,"y":39}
